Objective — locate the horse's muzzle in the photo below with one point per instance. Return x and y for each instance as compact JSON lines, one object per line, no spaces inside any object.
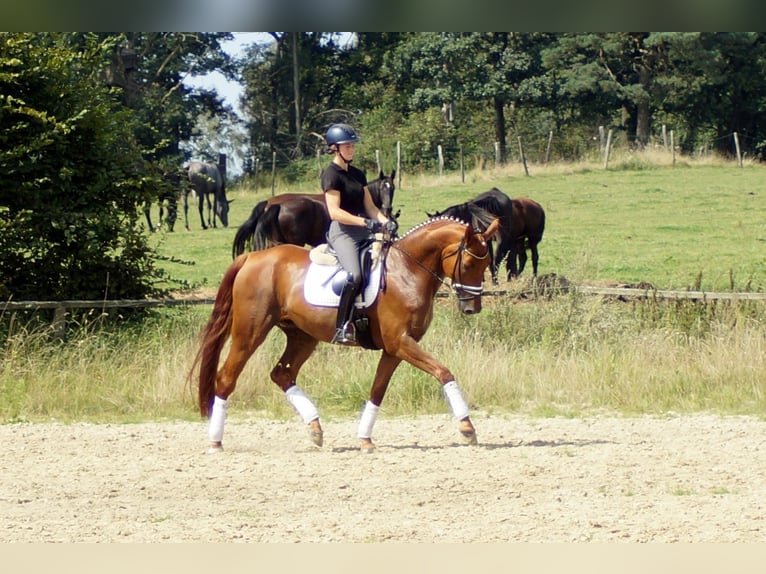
{"x":468,"y":298}
{"x":470,"y":306}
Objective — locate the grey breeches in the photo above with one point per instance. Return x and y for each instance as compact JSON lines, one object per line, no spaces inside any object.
{"x":346,"y":240}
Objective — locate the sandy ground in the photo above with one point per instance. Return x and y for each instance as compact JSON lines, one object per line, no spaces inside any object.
{"x":690,"y":479}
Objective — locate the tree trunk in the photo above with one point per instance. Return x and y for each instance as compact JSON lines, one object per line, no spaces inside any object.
{"x":296,"y":94}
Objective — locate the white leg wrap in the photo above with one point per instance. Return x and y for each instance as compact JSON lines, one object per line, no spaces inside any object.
{"x":217,"y":418}
{"x":369,"y":416}
{"x":302,"y":404}
{"x":455,"y":399}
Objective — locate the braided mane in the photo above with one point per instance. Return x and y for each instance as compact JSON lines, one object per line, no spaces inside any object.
{"x":437,"y":219}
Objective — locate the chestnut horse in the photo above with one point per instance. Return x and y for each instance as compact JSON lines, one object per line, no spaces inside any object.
{"x":265,"y":289}
{"x":300,"y":218}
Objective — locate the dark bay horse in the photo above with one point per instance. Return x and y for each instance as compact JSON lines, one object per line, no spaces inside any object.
{"x":264,"y":289}
{"x":300,"y":218}
{"x":206,"y":182}
{"x":522,"y":223}
{"x":167,"y":200}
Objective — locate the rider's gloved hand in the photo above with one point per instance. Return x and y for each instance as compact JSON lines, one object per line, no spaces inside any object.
{"x":391,"y":226}
{"x":372,"y":225}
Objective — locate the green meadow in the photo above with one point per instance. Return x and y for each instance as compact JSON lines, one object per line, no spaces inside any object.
{"x":692,"y":225}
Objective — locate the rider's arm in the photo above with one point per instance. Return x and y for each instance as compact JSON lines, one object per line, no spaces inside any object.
{"x":372,"y":210}
{"x":332,"y":198}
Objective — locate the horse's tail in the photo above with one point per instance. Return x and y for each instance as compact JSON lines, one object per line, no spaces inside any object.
{"x":214,"y":337}
{"x":244,"y":239}
{"x":267,"y":231}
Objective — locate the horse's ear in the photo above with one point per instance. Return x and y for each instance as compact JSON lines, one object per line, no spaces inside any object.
{"x":381,"y":175}
{"x":393,"y":173}
{"x":491,"y":229}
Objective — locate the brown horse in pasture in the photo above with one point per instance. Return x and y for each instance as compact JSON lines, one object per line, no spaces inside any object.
{"x":265,"y":289}
{"x":300,"y":218}
{"x":522,"y":223}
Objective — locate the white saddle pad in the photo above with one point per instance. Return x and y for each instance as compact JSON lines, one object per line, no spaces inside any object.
{"x":317,"y":289}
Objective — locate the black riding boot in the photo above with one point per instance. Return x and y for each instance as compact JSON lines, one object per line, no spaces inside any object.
{"x":345,"y":333}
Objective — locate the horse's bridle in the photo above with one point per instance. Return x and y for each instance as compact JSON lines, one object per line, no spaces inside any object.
{"x":463,"y":292}
{"x":467,"y":291}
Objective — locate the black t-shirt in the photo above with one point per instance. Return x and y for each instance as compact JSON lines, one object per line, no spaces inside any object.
{"x":349,"y":183}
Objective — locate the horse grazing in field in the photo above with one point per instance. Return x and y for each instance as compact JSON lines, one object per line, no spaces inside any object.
{"x":206,"y":181}
{"x":272,"y":288}
{"x":167,"y":200}
{"x":300,"y":218}
{"x":522,"y":223}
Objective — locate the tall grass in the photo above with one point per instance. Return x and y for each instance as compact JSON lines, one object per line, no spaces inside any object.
{"x":699,"y":226}
{"x":570,"y":354}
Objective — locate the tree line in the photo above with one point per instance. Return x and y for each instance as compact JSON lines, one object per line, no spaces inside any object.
{"x":470,"y":90}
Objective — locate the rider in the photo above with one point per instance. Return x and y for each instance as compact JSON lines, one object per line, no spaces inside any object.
{"x":354,"y":216}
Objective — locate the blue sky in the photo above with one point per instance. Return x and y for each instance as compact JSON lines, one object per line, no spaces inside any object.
{"x":230,"y":91}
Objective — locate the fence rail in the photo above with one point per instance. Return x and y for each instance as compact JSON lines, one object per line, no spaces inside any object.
{"x":625,"y":292}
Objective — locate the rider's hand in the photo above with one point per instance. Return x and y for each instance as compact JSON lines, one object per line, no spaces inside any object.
{"x":391,"y":226}
{"x":372,"y":225}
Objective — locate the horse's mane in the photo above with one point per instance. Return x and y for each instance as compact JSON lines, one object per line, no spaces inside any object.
{"x":431,"y":221}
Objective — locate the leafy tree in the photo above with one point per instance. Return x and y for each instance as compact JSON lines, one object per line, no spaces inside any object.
{"x":71,"y":175}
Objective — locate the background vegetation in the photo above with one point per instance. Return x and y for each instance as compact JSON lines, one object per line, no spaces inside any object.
{"x":697,"y":226}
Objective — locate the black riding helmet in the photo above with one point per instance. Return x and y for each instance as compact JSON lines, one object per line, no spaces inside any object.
{"x":338,"y":134}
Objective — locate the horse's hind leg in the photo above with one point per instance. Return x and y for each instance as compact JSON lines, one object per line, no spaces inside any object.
{"x":299,"y":348}
{"x":246,"y":336}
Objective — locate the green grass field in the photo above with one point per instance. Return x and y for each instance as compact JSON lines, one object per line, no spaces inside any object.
{"x":701,"y":227}
{"x":690,"y":226}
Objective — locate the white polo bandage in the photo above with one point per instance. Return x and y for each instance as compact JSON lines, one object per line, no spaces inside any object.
{"x":217,"y":419}
{"x":369,"y":416}
{"x":302,"y":404}
{"x":455,"y":399}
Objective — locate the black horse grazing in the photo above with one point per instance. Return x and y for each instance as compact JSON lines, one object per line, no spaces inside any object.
{"x":167,"y":199}
{"x":300,"y":218}
{"x":522,"y":223}
{"x":206,"y":181}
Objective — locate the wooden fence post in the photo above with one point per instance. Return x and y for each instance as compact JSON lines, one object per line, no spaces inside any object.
{"x":399,"y":163}
{"x":608,"y":146}
{"x":523,"y":157}
{"x":462,"y":165}
{"x":673,"y":147}
{"x":441,"y":159}
{"x":273,"y":172}
{"x":377,"y":160}
{"x":548,"y":147}
{"x":739,"y":152}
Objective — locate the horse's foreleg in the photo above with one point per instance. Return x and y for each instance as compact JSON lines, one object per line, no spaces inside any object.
{"x":299,"y":348}
{"x":386,"y":367}
{"x":410,"y":351}
{"x":535,"y":257}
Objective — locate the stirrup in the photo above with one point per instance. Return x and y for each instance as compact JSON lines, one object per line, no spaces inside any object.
{"x":345,"y":335}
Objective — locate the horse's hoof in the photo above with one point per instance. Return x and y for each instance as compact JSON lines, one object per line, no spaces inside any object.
{"x":367,"y":446}
{"x":215,"y":448}
{"x":469,"y":437}
{"x":315,"y":433}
